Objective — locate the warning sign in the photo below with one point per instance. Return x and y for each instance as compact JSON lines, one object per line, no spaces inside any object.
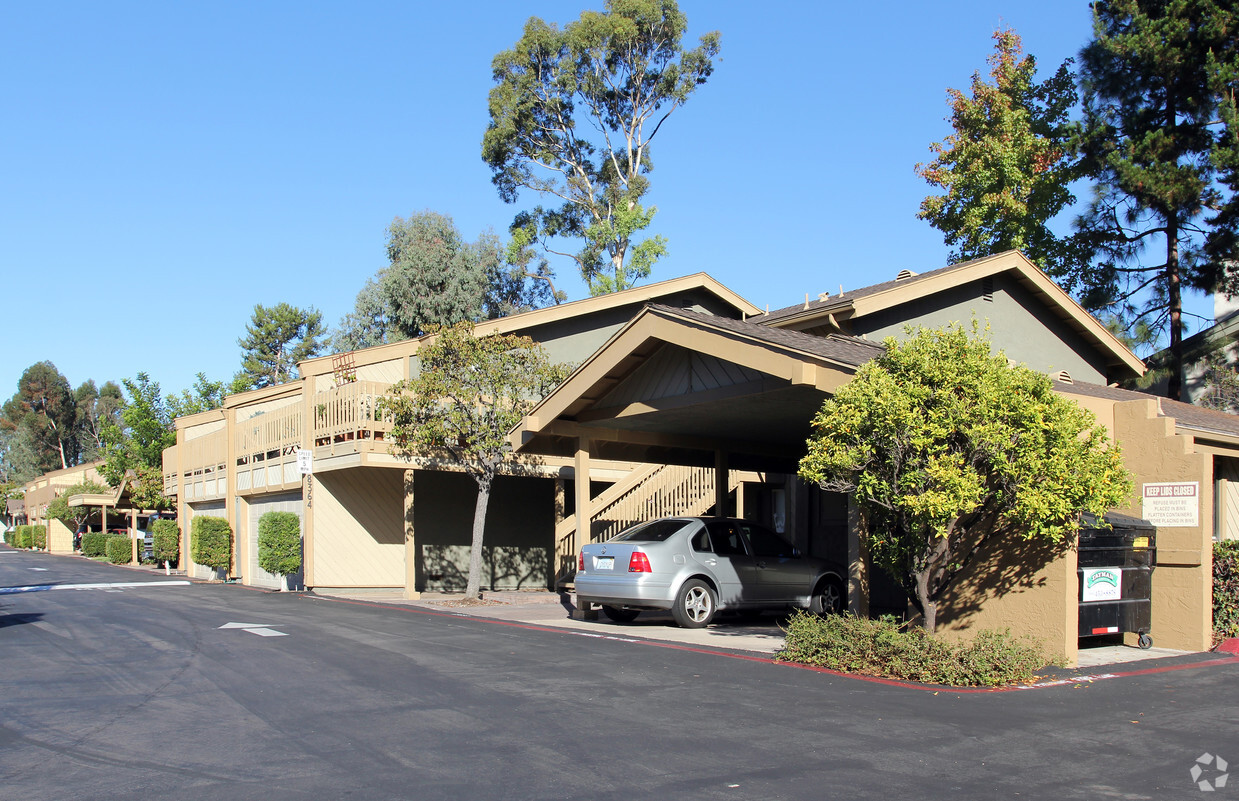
{"x":1172,"y":503}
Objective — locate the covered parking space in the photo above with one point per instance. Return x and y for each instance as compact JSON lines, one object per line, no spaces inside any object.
{"x":676,"y":387}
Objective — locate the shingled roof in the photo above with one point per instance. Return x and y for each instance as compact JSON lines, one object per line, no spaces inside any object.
{"x":836,"y":348}
{"x":1187,"y":415}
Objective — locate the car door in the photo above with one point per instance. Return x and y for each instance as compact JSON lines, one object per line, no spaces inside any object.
{"x":783,"y":576}
{"x":729,"y":562}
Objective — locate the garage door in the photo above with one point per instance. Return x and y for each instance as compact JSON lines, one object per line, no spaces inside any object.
{"x":211,"y":509}
{"x":283,"y":502}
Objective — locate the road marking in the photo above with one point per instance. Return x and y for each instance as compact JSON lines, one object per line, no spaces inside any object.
{"x":118,"y":585}
{"x":261,"y":629}
{"x":40,"y":569}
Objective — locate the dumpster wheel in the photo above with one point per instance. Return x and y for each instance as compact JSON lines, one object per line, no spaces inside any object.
{"x":1145,"y":641}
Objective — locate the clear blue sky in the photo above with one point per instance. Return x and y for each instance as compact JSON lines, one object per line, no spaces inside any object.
{"x":166,"y":166}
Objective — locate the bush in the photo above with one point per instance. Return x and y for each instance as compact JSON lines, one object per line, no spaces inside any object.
{"x":25,"y":536}
{"x":165,"y":540}
{"x":211,"y":542}
{"x":95,"y":543}
{"x":851,"y":644}
{"x":38,"y":537}
{"x":1226,"y":589}
{"x":279,"y":543}
{"x":119,"y":550}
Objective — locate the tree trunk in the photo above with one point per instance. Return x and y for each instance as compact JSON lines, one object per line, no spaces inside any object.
{"x":473,"y":587}
{"x":929,"y":607}
{"x":1174,"y":387}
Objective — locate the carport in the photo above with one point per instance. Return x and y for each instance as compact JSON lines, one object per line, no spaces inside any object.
{"x":676,"y":387}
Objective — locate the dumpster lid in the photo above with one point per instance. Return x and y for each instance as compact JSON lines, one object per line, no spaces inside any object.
{"x":1114,"y":520}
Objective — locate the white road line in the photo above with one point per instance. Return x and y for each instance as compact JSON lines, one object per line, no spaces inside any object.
{"x":261,"y":629}
{"x":118,"y":585}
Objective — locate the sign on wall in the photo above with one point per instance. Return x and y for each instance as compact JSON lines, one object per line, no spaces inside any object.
{"x":305,"y":461}
{"x":1102,"y":584}
{"x":1172,"y":503}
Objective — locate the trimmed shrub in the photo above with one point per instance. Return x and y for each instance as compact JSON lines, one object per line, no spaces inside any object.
{"x":851,"y":644}
{"x":95,"y":543}
{"x":38,"y":536}
{"x":120,"y":550}
{"x":1226,"y":589}
{"x":279,"y":543}
{"x":25,"y":536}
{"x":165,"y":540}
{"x":210,"y":542}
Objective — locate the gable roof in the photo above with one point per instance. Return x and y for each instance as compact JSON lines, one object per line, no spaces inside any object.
{"x":629,"y":399}
{"x":647,"y":293}
{"x":830,"y":309}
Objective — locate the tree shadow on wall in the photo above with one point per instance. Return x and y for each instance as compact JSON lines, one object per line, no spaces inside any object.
{"x":1001,"y":567}
{"x":503,"y":567}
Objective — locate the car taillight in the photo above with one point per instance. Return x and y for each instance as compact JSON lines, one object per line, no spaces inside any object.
{"x":639,"y":563}
{"x":580,"y":561}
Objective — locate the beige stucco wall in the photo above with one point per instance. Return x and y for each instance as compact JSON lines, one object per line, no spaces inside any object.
{"x":59,"y":537}
{"x":358,"y":529}
{"x":1027,"y":587}
{"x":1183,"y":578}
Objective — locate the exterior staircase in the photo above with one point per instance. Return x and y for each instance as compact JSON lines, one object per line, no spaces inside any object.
{"x":647,"y":493}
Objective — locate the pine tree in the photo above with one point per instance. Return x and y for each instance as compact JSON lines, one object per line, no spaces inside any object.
{"x":1158,"y":80}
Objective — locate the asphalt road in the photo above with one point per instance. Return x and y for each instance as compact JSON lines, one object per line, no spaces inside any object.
{"x":140,"y":693}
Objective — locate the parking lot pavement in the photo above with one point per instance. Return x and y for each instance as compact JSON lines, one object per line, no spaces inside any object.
{"x":761,"y":635}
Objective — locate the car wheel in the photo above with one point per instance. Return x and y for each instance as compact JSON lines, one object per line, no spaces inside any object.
{"x":619,"y":614}
{"x":695,"y":604}
{"x":828,"y":597}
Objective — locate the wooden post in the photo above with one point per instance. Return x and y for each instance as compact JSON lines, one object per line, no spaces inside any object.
{"x":410,"y":540}
{"x":584,"y":515}
{"x":721,"y":481}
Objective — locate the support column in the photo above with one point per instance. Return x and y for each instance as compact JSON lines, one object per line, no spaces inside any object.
{"x":133,"y":536}
{"x":410,"y":540}
{"x":584,"y":515}
{"x":307,"y":488}
{"x":721,"y":482}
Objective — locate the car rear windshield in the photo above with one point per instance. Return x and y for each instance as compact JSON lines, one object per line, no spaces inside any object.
{"x":654,"y":531}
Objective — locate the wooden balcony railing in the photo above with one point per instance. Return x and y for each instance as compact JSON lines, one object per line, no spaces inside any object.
{"x":349,"y":414}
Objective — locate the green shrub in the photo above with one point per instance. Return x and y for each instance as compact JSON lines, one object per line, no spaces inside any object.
{"x":25,"y":536}
{"x":165,"y":540}
{"x":279,"y":543}
{"x":119,"y":550}
{"x":210,"y":542}
{"x":95,"y":543}
{"x":851,"y":644}
{"x":38,"y":536}
{"x":1226,"y":588}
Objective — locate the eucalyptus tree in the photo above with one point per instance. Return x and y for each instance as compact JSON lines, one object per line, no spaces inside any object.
{"x":572,"y":116}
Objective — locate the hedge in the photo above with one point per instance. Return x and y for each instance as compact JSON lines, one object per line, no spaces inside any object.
{"x":25,"y":536}
{"x":95,"y":543}
{"x":210,"y":542}
{"x":165,"y":540}
{"x":1226,"y":588}
{"x":852,"y":644}
{"x":279,"y":543}
{"x":120,"y":550}
{"x":39,"y":537}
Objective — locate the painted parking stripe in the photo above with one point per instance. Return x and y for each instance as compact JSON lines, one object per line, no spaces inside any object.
{"x":116,"y":585}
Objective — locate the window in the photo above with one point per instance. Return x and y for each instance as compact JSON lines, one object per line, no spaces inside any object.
{"x":766,"y":543}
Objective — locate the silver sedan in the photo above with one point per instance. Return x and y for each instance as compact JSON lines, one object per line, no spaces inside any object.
{"x":696,"y":566}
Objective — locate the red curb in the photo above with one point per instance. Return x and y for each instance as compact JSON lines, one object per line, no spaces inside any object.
{"x":936,"y":689}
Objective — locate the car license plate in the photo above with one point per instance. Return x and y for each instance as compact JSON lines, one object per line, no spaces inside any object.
{"x":604,"y":563}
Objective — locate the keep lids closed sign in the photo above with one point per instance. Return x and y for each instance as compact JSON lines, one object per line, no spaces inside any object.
{"x":1172,"y":503}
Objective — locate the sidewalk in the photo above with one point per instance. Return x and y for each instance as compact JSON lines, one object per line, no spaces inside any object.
{"x":761,"y":636}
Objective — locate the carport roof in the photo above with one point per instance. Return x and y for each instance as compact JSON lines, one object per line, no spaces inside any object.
{"x":674,"y":386}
